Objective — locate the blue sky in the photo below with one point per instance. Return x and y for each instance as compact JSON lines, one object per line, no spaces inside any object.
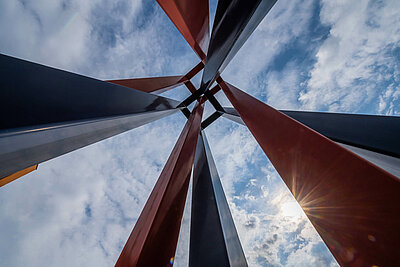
{"x":79,"y":209}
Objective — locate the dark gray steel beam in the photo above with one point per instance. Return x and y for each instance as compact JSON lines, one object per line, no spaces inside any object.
{"x":338,"y":127}
{"x":372,"y":132}
{"x":213,"y":117}
{"x":23,"y":148}
{"x":47,"y":112}
{"x":233,"y":24}
{"x":33,"y":94}
{"x":213,"y":237}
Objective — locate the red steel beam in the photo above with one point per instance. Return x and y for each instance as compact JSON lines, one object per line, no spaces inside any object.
{"x":353,"y":204}
{"x":160,"y":85}
{"x":154,"y":238}
{"x":192,"y":20}
{"x":151,"y":85}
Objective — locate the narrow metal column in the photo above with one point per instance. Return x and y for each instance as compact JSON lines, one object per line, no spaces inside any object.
{"x":213,"y":237}
{"x":353,"y":204}
{"x":45,"y":112}
{"x":233,"y":24}
{"x":154,"y":238}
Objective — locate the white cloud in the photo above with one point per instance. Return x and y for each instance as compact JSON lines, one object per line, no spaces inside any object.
{"x":357,"y":60}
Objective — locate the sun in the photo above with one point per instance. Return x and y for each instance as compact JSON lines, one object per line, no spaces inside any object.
{"x":291,"y":209}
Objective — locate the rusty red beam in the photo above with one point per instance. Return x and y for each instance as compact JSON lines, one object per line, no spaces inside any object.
{"x":154,"y":238}
{"x":159,"y":85}
{"x":153,"y":84}
{"x":192,"y":20}
{"x":353,"y":204}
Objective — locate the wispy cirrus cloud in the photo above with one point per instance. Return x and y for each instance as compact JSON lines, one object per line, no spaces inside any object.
{"x":357,"y":65}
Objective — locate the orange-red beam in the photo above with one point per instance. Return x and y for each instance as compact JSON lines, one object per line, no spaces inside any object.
{"x":151,"y":85}
{"x":154,"y":238}
{"x":353,"y":204}
{"x":14,"y":176}
{"x":192,"y":20}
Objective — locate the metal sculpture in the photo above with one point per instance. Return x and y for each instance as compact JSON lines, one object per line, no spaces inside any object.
{"x":343,"y":169}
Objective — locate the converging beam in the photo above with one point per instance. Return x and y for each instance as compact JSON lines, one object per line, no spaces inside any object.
{"x":47,"y":112}
{"x":213,"y":237}
{"x":233,"y":24}
{"x":154,"y":238}
{"x":353,"y":204}
{"x":156,"y":85}
{"x":373,"y":132}
{"x":192,"y":20}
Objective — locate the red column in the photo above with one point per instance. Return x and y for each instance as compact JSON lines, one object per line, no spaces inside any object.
{"x":154,"y":238}
{"x":192,"y":20}
{"x":353,"y":204}
{"x":151,"y":85}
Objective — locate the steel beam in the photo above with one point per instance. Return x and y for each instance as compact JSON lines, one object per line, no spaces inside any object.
{"x":47,"y":112}
{"x":154,"y":238}
{"x":372,"y":132}
{"x":192,"y":20}
{"x":353,"y":204}
{"x":233,"y":24}
{"x":363,"y":130}
{"x":213,"y":237}
{"x":156,"y":85}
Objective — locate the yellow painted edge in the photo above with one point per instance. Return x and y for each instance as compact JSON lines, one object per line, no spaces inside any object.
{"x":16,"y":175}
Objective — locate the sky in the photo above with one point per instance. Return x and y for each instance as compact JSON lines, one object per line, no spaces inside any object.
{"x":79,"y":209}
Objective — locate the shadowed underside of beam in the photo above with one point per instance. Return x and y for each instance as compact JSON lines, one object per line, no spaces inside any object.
{"x":213,"y":237}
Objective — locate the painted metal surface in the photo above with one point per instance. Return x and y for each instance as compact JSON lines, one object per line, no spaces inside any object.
{"x":213,"y":237}
{"x":372,"y":132}
{"x":213,"y":117}
{"x":352,"y":203}
{"x":155,"y":85}
{"x":33,"y":94}
{"x":47,"y":112}
{"x":233,"y":24}
{"x":388,"y":163}
{"x":192,"y":20}
{"x":16,"y":175}
{"x":154,"y":238}
{"x":24,"y":147}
